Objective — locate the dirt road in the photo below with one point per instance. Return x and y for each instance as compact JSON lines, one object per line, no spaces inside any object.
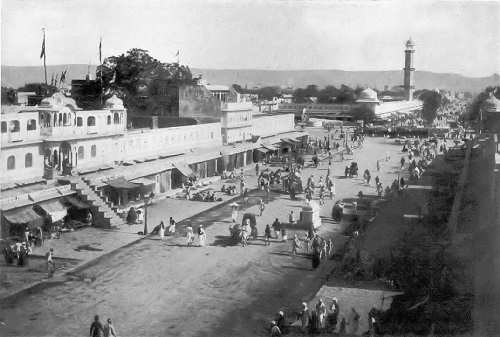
{"x":156,"y":288}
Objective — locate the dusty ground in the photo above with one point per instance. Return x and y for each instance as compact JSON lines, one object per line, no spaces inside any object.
{"x":164,"y":288}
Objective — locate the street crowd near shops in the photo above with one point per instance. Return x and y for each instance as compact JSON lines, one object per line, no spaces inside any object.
{"x":324,"y":318}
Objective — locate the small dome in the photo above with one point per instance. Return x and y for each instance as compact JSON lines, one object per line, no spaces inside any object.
{"x":491,"y":104}
{"x":368,"y":96}
{"x":58,"y":100}
{"x":114,"y":103}
{"x":410,"y":43}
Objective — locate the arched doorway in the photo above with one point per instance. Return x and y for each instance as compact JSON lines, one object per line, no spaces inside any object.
{"x":55,"y":158}
{"x":67,"y":158}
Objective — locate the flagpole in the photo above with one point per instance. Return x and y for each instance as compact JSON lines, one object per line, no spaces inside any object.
{"x":44,"y":57}
{"x":100,"y":68}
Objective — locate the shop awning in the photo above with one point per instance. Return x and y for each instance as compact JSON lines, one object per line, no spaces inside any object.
{"x":184,"y":169}
{"x":76,"y":203}
{"x":54,"y":208}
{"x":270,"y":147}
{"x":289,"y":141}
{"x":123,"y":184}
{"x":262,"y":150}
{"x":24,"y":215}
{"x":143,"y":181}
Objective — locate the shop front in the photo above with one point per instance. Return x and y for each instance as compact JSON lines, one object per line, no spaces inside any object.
{"x":15,"y":221}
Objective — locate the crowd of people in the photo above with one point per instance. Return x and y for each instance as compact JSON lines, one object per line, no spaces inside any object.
{"x":322,"y":318}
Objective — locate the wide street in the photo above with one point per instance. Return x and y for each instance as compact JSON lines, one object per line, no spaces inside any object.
{"x":155,"y":288}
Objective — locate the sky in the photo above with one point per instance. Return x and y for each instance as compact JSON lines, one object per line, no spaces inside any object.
{"x":450,"y":36}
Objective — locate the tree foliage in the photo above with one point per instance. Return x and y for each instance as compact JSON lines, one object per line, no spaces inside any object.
{"x":302,"y":95}
{"x":140,"y":80}
{"x":472,"y":113}
{"x":363,"y":113}
{"x":328,"y":94}
{"x":8,"y":96}
{"x":432,"y":100}
{"x":41,"y":89}
{"x":268,"y":93}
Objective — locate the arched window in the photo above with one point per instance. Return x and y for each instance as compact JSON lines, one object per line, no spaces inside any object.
{"x":91,"y":121}
{"x":79,"y":121}
{"x":81,"y":153}
{"x":11,"y":163}
{"x":4,"y":127}
{"x":28,"y":160}
{"x":93,"y":151}
{"x":65,"y":119}
{"x":109,"y":120}
{"x":31,"y":125}
{"x":116,"y":118}
{"x":60,"y":119}
{"x":14,"y":126}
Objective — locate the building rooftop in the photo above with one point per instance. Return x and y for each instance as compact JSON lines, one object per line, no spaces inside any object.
{"x":368,"y":96}
{"x":14,"y":109}
{"x":217,"y":87}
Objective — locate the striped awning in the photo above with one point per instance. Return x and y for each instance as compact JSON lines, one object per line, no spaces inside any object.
{"x":54,"y":208}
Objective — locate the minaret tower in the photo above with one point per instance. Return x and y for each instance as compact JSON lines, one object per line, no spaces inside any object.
{"x":409,"y":71}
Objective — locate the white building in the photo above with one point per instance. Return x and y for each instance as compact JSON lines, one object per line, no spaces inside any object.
{"x":56,"y":149}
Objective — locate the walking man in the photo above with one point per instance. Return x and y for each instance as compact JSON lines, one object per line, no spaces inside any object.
{"x":277,"y":228}
{"x":109,"y":329}
{"x":261,"y":207}
{"x":201,"y":236}
{"x":50,"y":263}
{"x":267,"y":234}
{"x":291,"y":218}
{"x":96,"y":328}
{"x":295,"y":244}
{"x":161,"y":231}
{"x":189,"y":235}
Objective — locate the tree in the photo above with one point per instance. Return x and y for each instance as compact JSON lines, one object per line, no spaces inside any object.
{"x":239,"y":89}
{"x":40,"y":89}
{"x":473,"y":112}
{"x":363,"y":113}
{"x":346,"y":95}
{"x":268,"y":93}
{"x":432,"y":100}
{"x":141,"y":81}
{"x":8,"y":96}
{"x":328,"y":94}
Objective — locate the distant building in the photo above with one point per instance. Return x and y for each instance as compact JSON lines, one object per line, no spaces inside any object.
{"x":23,"y":97}
{"x":490,"y":114}
{"x":57,"y":149}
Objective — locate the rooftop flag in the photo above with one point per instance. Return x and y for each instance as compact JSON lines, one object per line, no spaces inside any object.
{"x":42,"y":53}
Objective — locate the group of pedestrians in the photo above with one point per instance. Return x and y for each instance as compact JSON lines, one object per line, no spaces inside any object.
{"x":322,"y":318}
{"x":97,"y":329}
{"x":190,"y":236}
{"x":162,"y":229}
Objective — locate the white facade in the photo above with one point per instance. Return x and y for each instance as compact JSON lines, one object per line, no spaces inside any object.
{"x":59,"y":138}
{"x":236,"y":122}
{"x":20,"y":156}
{"x":268,"y":125}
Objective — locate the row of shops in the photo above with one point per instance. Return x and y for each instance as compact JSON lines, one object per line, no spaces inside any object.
{"x":124,"y":186}
{"x":48,"y":216}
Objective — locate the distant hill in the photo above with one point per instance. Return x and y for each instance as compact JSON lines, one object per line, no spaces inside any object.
{"x":373,"y":79}
{"x":18,"y":76}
